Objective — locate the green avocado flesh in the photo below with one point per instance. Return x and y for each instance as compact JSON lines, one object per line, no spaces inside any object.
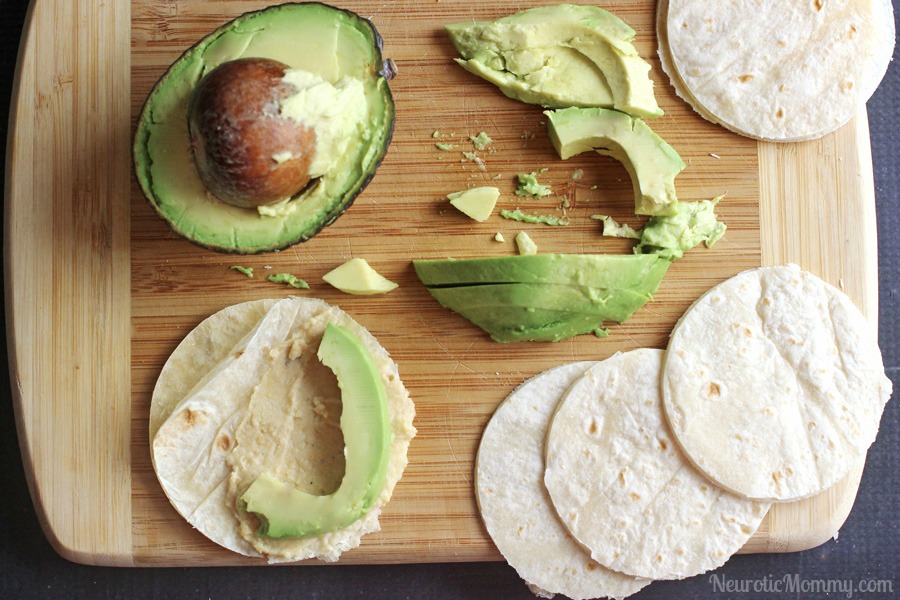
{"x":559,"y":56}
{"x":623,"y":271}
{"x":284,"y":511}
{"x":649,"y":160}
{"x":318,"y":38}
{"x":544,"y":297}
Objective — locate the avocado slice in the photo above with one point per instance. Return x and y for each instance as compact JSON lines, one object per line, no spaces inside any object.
{"x":610,"y":304}
{"x":651,"y":162}
{"x":328,"y":42}
{"x":604,"y":271}
{"x":559,"y":56}
{"x":516,"y":324}
{"x":284,"y":511}
{"x":544,"y":297}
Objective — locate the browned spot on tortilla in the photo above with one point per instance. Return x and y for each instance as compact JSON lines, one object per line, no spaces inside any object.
{"x":238,"y":353}
{"x":663,"y":445}
{"x":714,"y":389}
{"x":590,"y":566}
{"x":192,"y":417}
{"x":659,"y":558}
{"x":779,"y":113}
{"x":781,"y":43}
{"x":851,"y":32}
{"x":223,"y":442}
{"x":684,"y":25}
{"x":635,"y":496}
{"x":593,"y":428}
{"x":847,"y":86}
{"x":776,"y":476}
{"x":745,"y":530}
{"x":745,"y":77}
{"x":818,"y":4}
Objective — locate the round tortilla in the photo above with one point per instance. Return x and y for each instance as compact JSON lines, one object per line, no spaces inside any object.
{"x":244,"y":392}
{"x":773,"y":384}
{"x":515,"y":506}
{"x":622,"y":487}
{"x":821,"y":61}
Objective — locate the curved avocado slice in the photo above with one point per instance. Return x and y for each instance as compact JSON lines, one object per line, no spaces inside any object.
{"x":559,"y":56}
{"x":284,"y":511}
{"x":651,"y":162}
{"x":318,"y":38}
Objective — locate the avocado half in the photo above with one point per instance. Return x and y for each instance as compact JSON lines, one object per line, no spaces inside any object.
{"x":316,"y":37}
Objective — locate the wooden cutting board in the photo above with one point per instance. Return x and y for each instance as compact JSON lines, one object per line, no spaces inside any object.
{"x":99,"y":291}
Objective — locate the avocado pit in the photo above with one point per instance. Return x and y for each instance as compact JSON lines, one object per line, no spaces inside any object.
{"x":246,"y":152}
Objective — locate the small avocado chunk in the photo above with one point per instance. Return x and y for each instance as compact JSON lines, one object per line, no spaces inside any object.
{"x":559,"y":56}
{"x":672,"y":235}
{"x":477,"y":203}
{"x":337,"y":90}
{"x":284,"y":511}
{"x":288,"y":279}
{"x":528,"y":185}
{"x":525,"y":244}
{"x":649,"y":160}
{"x":544,"y":297}
{"x":358,"y":278}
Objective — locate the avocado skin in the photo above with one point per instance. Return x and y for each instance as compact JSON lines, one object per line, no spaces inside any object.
{"x":543,"y":297}
{"x":382,"y":68}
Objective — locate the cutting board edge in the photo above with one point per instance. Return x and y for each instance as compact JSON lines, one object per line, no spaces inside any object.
{"x":42,"y":87}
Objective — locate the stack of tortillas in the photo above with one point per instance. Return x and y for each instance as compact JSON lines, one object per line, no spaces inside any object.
{"x":595,"y":478}
{"x":776,"y":70}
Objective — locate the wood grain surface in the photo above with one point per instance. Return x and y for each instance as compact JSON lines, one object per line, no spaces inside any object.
{"x":97,"y":300}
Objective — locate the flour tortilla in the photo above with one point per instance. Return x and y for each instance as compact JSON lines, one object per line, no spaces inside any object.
{"x":774,"y":384}
{"x":243,"y":393}
{"x":776,"y":70}
{"x":624,"y":490}
{"x":515,"y":506}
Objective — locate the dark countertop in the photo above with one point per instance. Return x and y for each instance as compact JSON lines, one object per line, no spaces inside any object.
{"x":867,"y":549}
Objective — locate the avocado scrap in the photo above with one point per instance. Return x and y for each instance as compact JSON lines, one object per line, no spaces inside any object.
{"x":525,"y":244}
{"x":529,"y":186}
{"x":248,"y":271}
{"x":288,"y":279}
{"x":481,"y":141}
{"x":672,"y":235}
{"x":612,"y":228}
{"x":523,"y":217}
